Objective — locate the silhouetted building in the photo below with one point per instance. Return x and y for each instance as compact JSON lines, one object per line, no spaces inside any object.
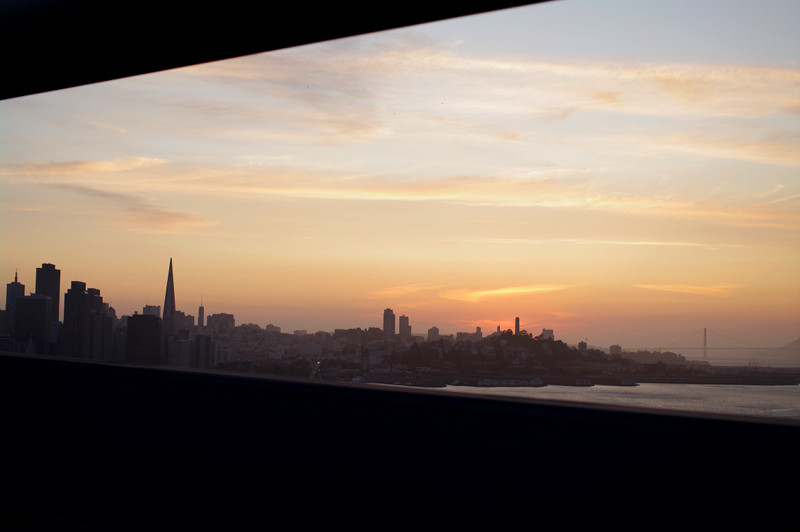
{"x":14,"y":291}
{"x":143,"y":341}
{"x":433,"y":334}
{"x":615,"y":350}
{"x":547,"y":334}
{"x":31,"y":328}
{"x":201,"y":316}
{"x":516,"y":326}
{"x":405,"y":329}
{"x":183,"y":322}
{"x":221,"y":324}
{"x":48,"y":283}
{"x":388,"y":325}
{"x":583,"y":348}
{"x":88,"y":324}
{"x":76,"y":320}
{"x":152,"y":310}
{"x":202,"y":354}
{"x":168,"y":316}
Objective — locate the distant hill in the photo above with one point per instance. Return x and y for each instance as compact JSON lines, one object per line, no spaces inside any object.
{"x":792,"y":345}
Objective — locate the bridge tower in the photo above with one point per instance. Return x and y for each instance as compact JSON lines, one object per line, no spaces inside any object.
{"x":705,"y":345}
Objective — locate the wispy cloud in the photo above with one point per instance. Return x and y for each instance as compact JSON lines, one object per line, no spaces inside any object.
{"x":700,"y":290}
{"x":142,"y":214}
{"x":357,"y":90}
{"x":478,"y":295}
{"x":783,"y":149}
{"x":603,"y":242}
{"x":54,"y":168}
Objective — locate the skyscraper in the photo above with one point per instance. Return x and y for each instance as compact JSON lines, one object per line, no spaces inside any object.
{"x":87,"y":323}
{"x":76,"y":322}
{"x":388,"y":325}
{"x":143,"y":341}
{"x":516,"y":326}
{"x":30,"y":324}
{"x":14,"y":291}
{"x":48,"y":283}
{"x":168,"y":314}
{"x":405,"y":329}
{"x":201,"y":313}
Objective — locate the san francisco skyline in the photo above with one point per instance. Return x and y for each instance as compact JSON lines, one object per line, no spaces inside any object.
{"x":617,"y":182}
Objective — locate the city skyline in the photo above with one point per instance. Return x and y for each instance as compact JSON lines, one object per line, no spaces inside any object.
{"x":613,"y":182}
{"x":172,"y":319}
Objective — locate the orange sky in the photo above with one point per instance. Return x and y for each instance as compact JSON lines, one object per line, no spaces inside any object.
{"x":620,"y":191}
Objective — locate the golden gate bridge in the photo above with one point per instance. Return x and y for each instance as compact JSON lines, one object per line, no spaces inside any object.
{"x":706,"y":348}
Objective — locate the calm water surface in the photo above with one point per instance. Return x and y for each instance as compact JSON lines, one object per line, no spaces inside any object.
{"x":774,"y":402}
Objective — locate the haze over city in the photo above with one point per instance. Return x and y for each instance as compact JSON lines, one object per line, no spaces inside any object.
{"x":625,"y":183}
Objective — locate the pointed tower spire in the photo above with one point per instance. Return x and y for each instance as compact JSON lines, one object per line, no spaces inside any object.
{"x":168,"y":313}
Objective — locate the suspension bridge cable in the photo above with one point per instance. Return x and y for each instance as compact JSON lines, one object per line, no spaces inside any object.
{"x":682,"y":339}
{"x":735,"y":340}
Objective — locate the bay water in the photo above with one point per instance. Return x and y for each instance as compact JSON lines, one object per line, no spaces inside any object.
{"x":775,"y":402}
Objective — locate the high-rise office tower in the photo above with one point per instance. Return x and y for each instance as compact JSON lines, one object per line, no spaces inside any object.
{"x":30,"y":324}
{"x":388,"y":325}
{"x":405,"y":329}
{"x":88,"y":323}
{"x":168,"y":314}
{"x":76,"y":322}
{"x":143,"y":341}
{"x":14,"y":291}
{"x":201,"y":315}
{"x":48,"y":283}
{"x":516,"y":327}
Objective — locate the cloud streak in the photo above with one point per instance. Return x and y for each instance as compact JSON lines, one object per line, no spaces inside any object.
{"x":698,"y":290}
{"x":141,"y":213}
{"x":473,"y":296}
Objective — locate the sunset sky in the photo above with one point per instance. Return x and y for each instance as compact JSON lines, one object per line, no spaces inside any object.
{"x":619,"y":171}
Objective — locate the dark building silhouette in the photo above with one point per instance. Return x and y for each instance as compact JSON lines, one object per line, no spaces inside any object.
{"x":31,"y":328}
{"x":221,"y":324}
{"x":168,"y":314}
{"x":388,"y":325}
{"x":143,"y":341}
{"x":14,"y":291}
{"x":405,"y":329}
{"x":88,"y":324}
{"x":48,"y":283}
{"x":202,"y":354}
{"x":516,"y":326}
{"x":201,"y":313}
